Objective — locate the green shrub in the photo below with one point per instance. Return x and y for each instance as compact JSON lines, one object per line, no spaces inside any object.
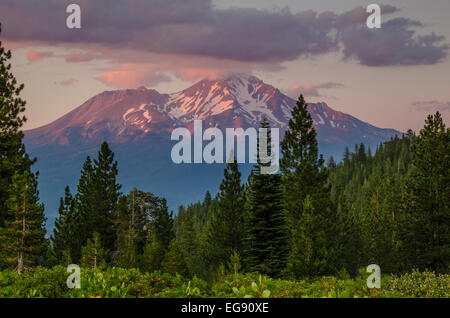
{"x":121,"y":283}
{"x":420,"y":285}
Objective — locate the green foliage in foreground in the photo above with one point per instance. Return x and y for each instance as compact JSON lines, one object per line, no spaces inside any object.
{"x":119,"y":283}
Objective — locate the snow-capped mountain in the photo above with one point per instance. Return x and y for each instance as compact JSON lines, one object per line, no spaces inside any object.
{"x":137,"y":123}
{"x":236,"y":101}
{"x":246,"y":98}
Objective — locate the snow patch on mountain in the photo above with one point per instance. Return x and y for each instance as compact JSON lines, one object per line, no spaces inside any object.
{"x":236,"y":101}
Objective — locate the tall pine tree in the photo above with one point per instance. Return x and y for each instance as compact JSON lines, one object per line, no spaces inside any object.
{"x":63,"y":231}
{"x":106,"y":192}
{"x":266,"y":242}
{"x":96,"y":202}
{"x":427,"y":240}
{"x":13,"y":157}
{"x":226,"y":228}
{"x":304,"y":181}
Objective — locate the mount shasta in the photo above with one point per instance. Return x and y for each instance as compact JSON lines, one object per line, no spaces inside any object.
{"x":137,"y":123}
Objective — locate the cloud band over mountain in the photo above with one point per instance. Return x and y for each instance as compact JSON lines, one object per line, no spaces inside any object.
{"x":129,"y":32}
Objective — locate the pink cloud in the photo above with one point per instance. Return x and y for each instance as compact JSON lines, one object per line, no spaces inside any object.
{"x":77,"y":57}
{"x":311,"y":90}
{"x":131,"y":69}
{"x":193,"y":74}
{"x":14,"y":45}
{"x":133,"y":75}
{"x":34,"y":56}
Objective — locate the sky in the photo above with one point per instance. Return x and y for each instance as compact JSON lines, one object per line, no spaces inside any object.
{"x":391,"y":77}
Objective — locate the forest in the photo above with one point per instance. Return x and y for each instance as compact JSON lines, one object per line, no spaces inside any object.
{"x":308,"y":231}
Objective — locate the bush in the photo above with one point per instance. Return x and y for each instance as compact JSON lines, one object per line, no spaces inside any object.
{"x":420,"y":285}
{"x":120,"y":283}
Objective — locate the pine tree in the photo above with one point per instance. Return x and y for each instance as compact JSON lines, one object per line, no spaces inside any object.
{"x":392,"y":207}
{"x":13,"y":157}
{"x":162,"y":222}
{"x":188,"y":242}
{"x":23,"y":237}
{"x":93,"y":254}
{"x":309,"y":255}
{"x":173,"y":261}
{"x":304,"y":176}
{"x":371,"y":201}
{"x":96,"y":202}
{"x":226,"y":228}
{"x":158,"y":224}
{"x":63,"y":230}
{"x":349,"y":240}
{"x":428,"y":236}
{"x":266,"y":241}
{"x":126,"y":253}
{"x":106,"y":193}
{"x":154,"y":252}
{"x":84,"y":206}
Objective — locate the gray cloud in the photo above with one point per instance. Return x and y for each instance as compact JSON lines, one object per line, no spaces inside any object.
{"x":395,"y":44}
{"x":196,"y":28}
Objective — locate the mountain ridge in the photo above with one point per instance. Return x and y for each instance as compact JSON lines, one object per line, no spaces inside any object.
{"x":137,"y":123}
{"x":236,"y":101}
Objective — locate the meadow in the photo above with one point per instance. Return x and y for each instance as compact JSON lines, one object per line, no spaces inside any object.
{"x":43,"y":282}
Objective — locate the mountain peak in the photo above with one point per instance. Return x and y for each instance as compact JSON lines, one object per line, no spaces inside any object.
{"x":237,"y":100}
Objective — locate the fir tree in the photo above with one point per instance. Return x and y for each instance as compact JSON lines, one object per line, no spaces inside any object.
{"x":96,"y":202}
{"x":309,"y":254}
{"x":13,"y":157}
{"x":126,"y":254}
{"x":226,"y":228}
{"x":428,"y":236}
{"x":24,"y":236}
{"x":162,"y":222}
{"x":304,"y":175}
{"x":153,"y":255}
{"x":63,"y":230}
{"x":266,"y":249}
{"x":349,"y":242}
{"x":106,"y":192}
{"x":188,"y":242}
{"x":84,"y":206}
{"x":158,"y":224}
{"x":173,"y":261}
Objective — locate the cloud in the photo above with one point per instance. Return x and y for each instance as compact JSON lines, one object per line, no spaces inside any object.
{"x":311,"y":90}
{"x":67,"y":82}
{"x":396,"y":43}
{"x":34,"y":56}
{"x":359,"y":15}
{"x":77,"y":57}
{"x":170,"y":30}
{"x":431,"y":106}
{"x":175,"y":27}
{"x":133,"y":75}
{"x":138,"y":71}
